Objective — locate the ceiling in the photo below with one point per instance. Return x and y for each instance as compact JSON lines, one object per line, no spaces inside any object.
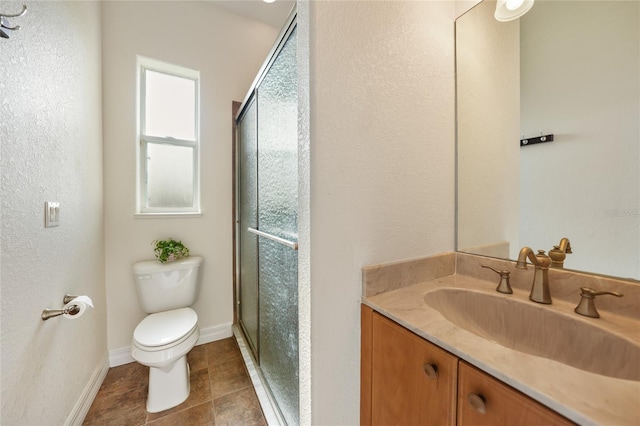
{"x":274,"y":14}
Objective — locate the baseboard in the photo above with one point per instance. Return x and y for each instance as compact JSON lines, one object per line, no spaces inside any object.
{"x":120,"y":356}
{"x":82,"y":406}
{"x":218,"y":332}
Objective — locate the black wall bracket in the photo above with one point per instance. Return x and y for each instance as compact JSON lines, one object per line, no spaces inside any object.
{"x":537,"y":139}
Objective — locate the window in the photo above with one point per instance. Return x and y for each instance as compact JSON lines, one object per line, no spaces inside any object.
{"x":168,"y":172}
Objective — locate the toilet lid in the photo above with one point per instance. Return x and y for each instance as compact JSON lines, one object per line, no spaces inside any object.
{"x":166,"y":327}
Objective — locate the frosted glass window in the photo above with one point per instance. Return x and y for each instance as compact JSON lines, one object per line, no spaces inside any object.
{"x":168,"y":174}
{"x":170,"y":106}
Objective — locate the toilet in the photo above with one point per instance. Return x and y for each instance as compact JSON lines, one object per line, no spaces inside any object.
{"x":164,"y":337}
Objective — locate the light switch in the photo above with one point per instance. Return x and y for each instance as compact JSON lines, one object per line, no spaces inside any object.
{"x":51,"y":214}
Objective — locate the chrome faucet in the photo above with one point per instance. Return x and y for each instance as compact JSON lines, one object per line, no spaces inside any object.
{"x":559,"y":253}
{"x":540,"y":288}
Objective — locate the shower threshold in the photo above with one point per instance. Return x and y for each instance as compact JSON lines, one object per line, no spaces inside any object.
{"x":267,"y":403}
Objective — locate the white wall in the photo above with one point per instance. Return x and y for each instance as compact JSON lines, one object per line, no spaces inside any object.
{"x":488,"y":111}
{"x":463,"y":6}
{"x":382,"y":167}
{"x":51,"y":136}
{"x":580,"y":82}
{"x":228,"y":50}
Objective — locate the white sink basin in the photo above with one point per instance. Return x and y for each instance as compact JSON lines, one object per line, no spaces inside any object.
{"x":538,"y":330}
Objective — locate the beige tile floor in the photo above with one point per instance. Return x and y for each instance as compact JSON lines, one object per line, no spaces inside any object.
{"x":221,"y":393}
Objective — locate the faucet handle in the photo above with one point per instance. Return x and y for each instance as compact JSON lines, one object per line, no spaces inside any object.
{"x":503,"y":286}
{"x":589,"y":292}
{"x":587,"y":306}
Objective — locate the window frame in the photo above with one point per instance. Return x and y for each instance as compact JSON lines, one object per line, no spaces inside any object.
{"x":142,"y":65}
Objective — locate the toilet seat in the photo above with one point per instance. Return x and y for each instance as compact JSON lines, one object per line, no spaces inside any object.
{"x":165,"y":358}
{"x":163,"y":330}
{"x":179,"y":327}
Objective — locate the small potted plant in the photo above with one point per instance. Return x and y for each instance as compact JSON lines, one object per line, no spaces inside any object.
{"x":168,"y":250}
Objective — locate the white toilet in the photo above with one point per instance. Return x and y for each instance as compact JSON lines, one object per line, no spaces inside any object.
{"x":162,"y":340}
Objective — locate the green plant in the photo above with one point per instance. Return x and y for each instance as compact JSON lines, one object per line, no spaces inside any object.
{"x":170,"y":249}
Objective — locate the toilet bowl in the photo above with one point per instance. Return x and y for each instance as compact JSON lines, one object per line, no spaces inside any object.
{"x":161,"y":342}
{"x":162,"y":339}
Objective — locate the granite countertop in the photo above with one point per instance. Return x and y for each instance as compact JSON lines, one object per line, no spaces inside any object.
{"x":583,"y":397}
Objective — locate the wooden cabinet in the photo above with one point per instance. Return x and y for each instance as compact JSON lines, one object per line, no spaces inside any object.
{"x":406,"y":380}
{"x":413,"y":382}
{"x":483,"y":400}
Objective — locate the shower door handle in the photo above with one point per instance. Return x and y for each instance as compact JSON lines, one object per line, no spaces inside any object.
{"x":288,"y":243}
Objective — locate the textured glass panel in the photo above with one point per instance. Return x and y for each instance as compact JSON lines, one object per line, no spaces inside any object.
{"x":277,"y":215}
{"x":169,"y":175}
{"x":279,"y":325}
{"x":248,"y":217}
{"x":278,"y":145}
{"x":170,"y":106}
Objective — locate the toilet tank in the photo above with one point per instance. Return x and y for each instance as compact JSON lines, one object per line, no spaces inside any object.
{"x":166,"y":286}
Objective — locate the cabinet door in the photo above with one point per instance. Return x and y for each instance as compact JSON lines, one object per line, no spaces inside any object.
{"x":413,"y":381}
{"x":502,"y":405}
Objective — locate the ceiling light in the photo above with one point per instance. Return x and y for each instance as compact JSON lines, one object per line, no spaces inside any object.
{"x":508,"y":10}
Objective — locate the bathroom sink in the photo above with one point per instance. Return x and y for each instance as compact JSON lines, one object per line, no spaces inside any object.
{"x":538,"y":330}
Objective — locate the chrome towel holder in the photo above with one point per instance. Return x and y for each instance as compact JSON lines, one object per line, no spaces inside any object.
{"x":5,"y":25}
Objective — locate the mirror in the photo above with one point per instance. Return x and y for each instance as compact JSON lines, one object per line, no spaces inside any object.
{"x":570,"y":69}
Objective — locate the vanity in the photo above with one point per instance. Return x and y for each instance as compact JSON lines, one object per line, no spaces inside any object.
{"x":441,"y":346}
{"x":547,"y":153}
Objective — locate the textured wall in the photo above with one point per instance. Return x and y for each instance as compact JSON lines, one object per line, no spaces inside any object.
{"x":228,"y":50}
{"x":304,"y":215}
{"x":382,"y":167}
{"x":50,"y":136}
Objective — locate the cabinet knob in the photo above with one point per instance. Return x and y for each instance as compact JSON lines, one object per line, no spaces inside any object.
{"x":431,"y":370}
{"x":477,"y":402}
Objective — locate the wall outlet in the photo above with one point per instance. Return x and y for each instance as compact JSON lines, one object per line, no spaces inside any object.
{"x":51,"y":214}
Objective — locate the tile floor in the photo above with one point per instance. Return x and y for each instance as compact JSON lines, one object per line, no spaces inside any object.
{"x":221,"y":393}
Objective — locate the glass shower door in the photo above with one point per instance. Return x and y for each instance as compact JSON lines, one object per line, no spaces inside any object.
{"x":278,"y":218}
{"x":268,"y":228}
{"x":248,"y":218}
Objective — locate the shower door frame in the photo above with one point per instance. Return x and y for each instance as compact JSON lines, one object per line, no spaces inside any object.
{"x":254,"y":347}
{"x":239,"y":109}
{"x":282,"y":38}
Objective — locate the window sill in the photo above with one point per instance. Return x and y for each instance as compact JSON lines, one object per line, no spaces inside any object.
{"x":173,"y":215}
